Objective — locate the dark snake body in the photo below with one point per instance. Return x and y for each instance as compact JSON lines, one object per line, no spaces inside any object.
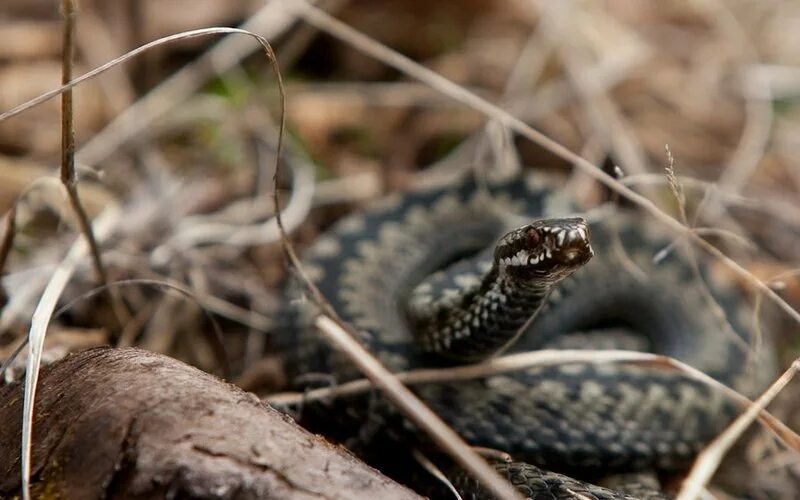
{"x":584,"y":419}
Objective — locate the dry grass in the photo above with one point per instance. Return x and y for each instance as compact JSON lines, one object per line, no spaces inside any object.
{"x":615,"y":82}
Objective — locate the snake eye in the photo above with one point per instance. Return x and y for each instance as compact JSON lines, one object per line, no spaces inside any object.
{"x":533,"y":238}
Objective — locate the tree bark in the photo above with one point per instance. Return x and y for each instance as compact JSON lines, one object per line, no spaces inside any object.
{"x":127,"y":423}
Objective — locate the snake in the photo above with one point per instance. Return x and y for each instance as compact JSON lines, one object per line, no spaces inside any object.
{"x":457,"y":274}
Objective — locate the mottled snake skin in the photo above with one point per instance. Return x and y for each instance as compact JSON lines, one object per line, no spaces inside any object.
{"x":538,"y":484}
{"x":579,"y":418}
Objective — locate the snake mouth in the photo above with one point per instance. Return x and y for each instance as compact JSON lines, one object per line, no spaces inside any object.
{"x":570,"y":242}
{"x":546,"y":248}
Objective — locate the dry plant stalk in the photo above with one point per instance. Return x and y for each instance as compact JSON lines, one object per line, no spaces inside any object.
{"x":434,"y":471}
{"x":541,"y":358}
{"x":674,"y":185}
{"x":68,"y":176}
{"x":344,"y":337}
{"x":709,"y":459}
{"x":441,"y":433}
{"x":103,"y":225}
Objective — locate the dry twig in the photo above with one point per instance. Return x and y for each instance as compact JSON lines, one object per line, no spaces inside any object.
{"x":343,"y":336}
{"x":709,"y":459}
{"x":68,"y":176}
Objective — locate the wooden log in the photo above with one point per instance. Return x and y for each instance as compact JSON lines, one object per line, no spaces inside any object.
{"x":127,"y":423}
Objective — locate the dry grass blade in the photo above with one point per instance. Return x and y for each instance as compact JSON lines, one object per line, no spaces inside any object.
{"x":436,"y":472}
{"x":709,"y":459}
{"x":358,"y":40}
{"x":707,"y":231}
{"x":121,"y":59}
{"x":494,"y":366}
{"x":41,"y":319}
{"x":67,"y":122}
{"x":546,"y":357}
{"x":416,"y":410}
{"x":68,"y":176}
{"x":783,"y":210}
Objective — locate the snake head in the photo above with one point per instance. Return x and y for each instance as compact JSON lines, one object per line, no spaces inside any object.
{"x":549,"y":249}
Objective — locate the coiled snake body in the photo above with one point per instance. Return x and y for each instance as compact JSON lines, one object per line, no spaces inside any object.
{"x":441,"y":277}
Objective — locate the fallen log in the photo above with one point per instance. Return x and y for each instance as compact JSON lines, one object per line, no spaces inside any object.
{"x":127,"y":423}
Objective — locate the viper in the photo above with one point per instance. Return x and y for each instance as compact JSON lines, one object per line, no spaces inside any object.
{"x":457,"y":274}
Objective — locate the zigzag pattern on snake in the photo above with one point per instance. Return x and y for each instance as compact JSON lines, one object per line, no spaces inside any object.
{"x":379,"y":270}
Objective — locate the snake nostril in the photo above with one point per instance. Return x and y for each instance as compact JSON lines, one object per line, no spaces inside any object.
{"x":573,"y":255}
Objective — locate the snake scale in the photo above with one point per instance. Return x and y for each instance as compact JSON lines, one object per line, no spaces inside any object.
{"x":453,"y":275}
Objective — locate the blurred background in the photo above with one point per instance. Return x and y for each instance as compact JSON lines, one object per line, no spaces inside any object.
{"x":182,"y":140}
